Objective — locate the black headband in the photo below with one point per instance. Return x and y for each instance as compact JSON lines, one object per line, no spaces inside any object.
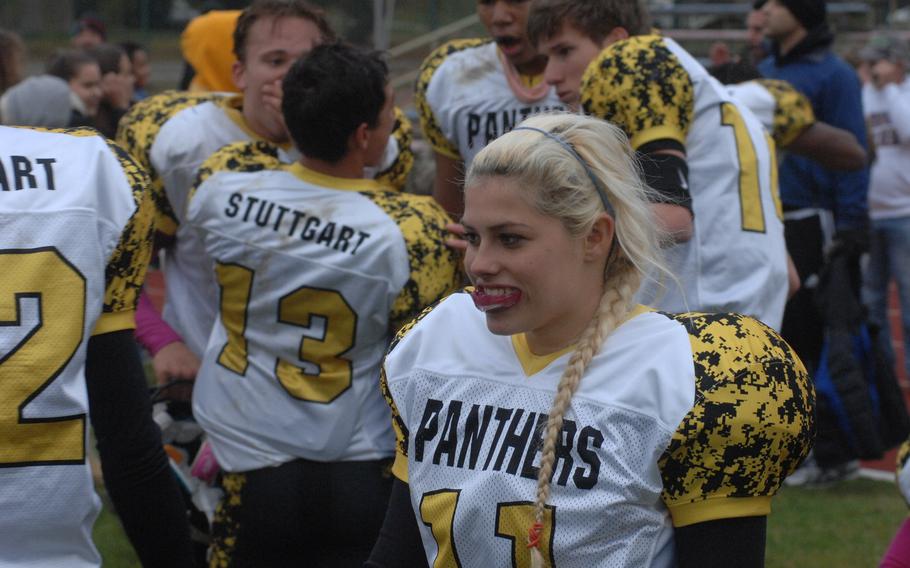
{"x":601,"y":192}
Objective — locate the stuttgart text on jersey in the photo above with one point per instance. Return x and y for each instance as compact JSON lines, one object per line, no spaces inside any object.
{"x":293,"y":222}
{"x":506,"y":440}
{"x":21,"y":172}
{"x":488,"y":126}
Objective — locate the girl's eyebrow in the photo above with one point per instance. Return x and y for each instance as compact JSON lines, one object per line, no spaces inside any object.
{"x":501,"y":226}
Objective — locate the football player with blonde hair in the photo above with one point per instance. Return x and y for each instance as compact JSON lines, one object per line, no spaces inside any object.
{"x":545,"y":419}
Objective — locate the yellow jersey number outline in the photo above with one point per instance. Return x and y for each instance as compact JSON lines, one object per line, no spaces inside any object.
{"x":437,"y":511}
{"x":56,"y":289}
{"x":753,"y":217}
{"x":297,"y":308}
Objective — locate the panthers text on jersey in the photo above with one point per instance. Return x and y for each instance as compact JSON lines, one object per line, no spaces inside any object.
{"x":172,"y":134}
{"x":315,"y":274}
{"x":77,"y":224}
{"x":736,"y":259}
{"x":679,"y":419}
{"x":465,"y":101}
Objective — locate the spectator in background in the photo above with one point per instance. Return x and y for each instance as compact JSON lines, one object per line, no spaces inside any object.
{"x":12,"y":59}
{"x":757,"y":46}
{"x":83,"y":75}
{"x":88,"y":31}
{"x":116,"y":85}
{"x":719,"y":54}
{"x":142,"y":70}
{"x":44,"y":100}
{"x":886,"y":103}
{"x":207,"y":44}
{"x":811,"y":196}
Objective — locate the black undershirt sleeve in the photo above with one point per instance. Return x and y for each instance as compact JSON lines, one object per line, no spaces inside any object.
{"x":666,"y":174}
{"x":399,"y":544}
{"x":736,"y":542}
{"x":137,"y":476}
{"x":722,"y":543}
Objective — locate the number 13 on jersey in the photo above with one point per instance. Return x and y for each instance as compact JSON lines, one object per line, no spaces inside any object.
{"x":299,"y":308}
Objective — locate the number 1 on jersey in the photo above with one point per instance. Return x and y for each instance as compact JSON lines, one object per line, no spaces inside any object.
{"x":753,"y":218}
{"x":437,"y":511}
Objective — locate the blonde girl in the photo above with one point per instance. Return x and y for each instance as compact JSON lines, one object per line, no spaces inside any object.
{"x":545,"y":420}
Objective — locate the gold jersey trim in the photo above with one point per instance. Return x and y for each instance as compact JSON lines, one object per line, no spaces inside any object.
{"x":721,"y":507}
{"x":233,"y":108}
{"x":109,"y":322}
{"x":324,"y":180}
{"x":531,"y":363}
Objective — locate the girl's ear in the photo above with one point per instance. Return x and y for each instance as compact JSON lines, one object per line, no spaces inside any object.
{"x":600,"y":238}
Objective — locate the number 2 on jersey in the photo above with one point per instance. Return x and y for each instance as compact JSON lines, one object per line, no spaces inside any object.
{"x":301,"y":308}
{"x":42,"y":316}
{"x":437,"y":511}
{"x":753,"y":218}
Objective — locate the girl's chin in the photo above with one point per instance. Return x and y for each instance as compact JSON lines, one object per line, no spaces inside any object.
{"x":500,"y":324}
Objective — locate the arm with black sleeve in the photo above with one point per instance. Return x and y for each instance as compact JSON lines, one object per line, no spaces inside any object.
{"x":664,"y":167}
{"x":725,"y":542}
{"x":399,"y":541}
{"x":137,"y":476}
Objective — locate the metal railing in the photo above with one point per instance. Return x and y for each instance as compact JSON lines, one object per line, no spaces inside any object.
{"x":425,"y":40}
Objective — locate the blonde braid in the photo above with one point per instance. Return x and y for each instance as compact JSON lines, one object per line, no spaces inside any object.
{"x":614,"y":305}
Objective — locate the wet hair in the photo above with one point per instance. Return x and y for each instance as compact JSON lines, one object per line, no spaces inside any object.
{"x":278,"y":9}
{"x":558,"y":184}
{"x":108,"y":57}
{"x":594,"y":18}
{"x":67,"y":62}
{"x":12,"y":50}
{"x":328,"y":94}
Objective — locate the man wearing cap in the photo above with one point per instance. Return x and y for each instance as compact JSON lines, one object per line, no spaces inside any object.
{"x":820,"y":206}
{"x":886,"y":101}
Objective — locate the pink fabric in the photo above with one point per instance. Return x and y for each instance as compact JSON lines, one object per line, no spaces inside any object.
{"x":152,"y":332}
{"x":898,"y":555}
{"x":525,"y":94}
{"x":205,"y":466}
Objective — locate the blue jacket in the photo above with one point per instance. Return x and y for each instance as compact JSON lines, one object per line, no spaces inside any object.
{"x":834,"y":90}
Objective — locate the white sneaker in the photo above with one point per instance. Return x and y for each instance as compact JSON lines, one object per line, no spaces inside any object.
{"x":811,"y":476}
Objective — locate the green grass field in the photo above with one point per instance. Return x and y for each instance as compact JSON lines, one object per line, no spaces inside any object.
{"x":846,"y":526}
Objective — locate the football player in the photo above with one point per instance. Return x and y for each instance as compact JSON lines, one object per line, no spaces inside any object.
{"x":705,"y":154}
{"x":543,"y":419}
{"x":787,"y":114}
{"x":173,"y":133}
{"x":317,"y":268}
{"x":77,"y":228}
{"x":471,"y":91}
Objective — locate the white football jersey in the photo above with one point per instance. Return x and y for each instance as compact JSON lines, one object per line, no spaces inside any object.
{"x":736,"y":260}
{"x":77,"y":226}
{"x":782,"y":110}
{"x":662,"y":399}
{"x":315,"y":274}
{"x":176,"y":132}
{"x":465,"y":101}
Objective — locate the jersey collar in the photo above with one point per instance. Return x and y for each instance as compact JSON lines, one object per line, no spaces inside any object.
{"x":324,"y":180}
